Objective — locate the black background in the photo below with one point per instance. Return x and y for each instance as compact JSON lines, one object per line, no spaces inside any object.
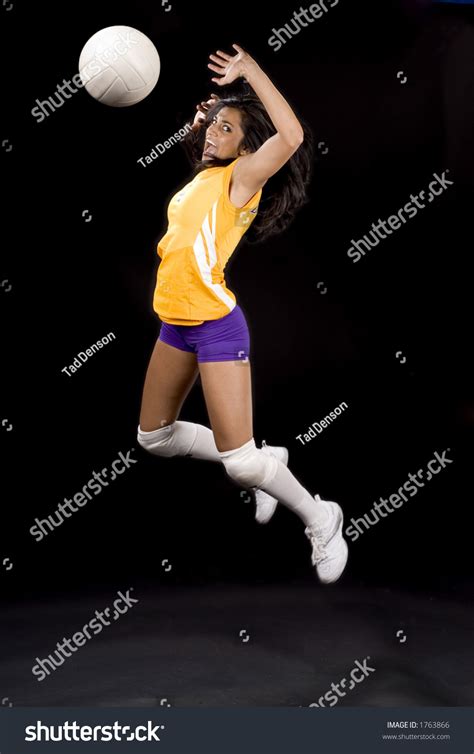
{"x":74,"y":282}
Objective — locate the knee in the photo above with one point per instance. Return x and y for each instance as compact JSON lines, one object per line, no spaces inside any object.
{"x":248,"y":466}
{"x":158,"y":441}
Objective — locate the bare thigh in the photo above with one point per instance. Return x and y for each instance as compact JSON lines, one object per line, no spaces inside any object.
{"x":227,"y":388}
{"x":170,"y":376}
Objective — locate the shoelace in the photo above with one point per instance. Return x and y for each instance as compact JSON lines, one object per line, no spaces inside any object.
{"x":319,"y":553}
{"x":315,"y":537}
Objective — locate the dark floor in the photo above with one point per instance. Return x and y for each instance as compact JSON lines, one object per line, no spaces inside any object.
{"x":183,"y":647}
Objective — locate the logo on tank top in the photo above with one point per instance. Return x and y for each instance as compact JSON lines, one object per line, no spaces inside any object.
{"x":245,"y":218}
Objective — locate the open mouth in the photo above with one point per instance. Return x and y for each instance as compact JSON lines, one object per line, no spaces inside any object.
{"x":210,"y":149}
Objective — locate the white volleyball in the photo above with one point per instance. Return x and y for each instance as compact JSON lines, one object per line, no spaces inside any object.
{"x":119,"y":66}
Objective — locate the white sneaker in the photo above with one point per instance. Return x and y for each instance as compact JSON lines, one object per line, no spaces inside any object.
{"x":266,"y":504}
{"x":330,"y":551}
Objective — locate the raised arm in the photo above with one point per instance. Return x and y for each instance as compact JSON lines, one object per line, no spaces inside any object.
{"x":253,"y":170}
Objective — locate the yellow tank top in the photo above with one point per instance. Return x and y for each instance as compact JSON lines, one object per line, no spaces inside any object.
{"x":204,"y":228}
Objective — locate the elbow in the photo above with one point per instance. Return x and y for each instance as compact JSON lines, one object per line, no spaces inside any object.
{"x":296,"y":139}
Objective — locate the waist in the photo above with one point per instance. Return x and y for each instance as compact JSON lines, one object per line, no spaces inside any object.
{"x":236,"y":314}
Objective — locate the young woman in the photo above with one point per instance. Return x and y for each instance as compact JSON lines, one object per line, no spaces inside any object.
{"x":239,"y":144}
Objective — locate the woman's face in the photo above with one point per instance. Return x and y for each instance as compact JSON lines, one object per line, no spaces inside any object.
{"x":224,"y":135}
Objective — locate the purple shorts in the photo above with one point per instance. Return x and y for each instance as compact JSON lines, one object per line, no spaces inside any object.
{"x":223,"y":339}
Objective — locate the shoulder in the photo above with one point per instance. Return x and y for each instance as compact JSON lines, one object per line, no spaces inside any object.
{"x":238,"y":195}
{"x":241,"y":169}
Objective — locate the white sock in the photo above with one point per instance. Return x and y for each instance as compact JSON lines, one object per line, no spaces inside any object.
{"x":287,"y":490}
{"x":197,"y":441}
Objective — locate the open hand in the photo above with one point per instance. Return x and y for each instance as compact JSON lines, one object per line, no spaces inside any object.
{"x":228,"y":66}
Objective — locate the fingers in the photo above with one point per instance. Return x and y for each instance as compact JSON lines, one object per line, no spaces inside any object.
{"x":219,"y":61}
{"x":239,"y":49}
{"x":217,"y":69}
{"x":198,"y":122}
{"x":203,"y":107}
{"x":210,"y":102}
{"x":224,"y":55}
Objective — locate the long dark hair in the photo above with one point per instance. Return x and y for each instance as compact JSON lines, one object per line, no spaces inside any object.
{"x":286,"y":191}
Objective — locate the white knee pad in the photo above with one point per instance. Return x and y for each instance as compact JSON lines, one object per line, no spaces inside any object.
{"x":175,"y":439}
{"x":248,"y":466}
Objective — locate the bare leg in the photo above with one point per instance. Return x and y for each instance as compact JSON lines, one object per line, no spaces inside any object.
{"x":170,"y":376}
{"x":228,"y":394}
{"x":227,"y":387}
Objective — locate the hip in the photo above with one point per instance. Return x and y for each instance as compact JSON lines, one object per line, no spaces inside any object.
{"x":223,"y":339}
